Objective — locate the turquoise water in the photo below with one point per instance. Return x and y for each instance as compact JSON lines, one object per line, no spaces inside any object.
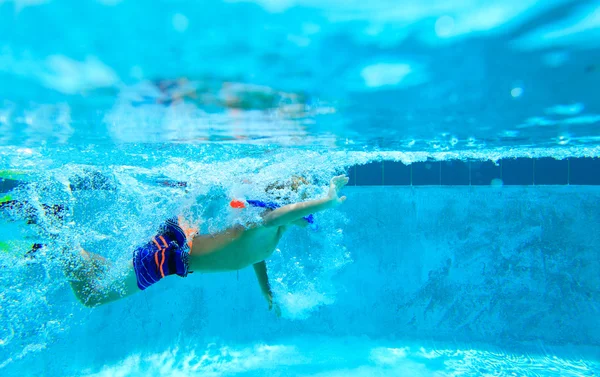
{"x":115,"y":116}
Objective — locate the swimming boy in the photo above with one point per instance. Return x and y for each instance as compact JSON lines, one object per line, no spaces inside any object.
{"x":175,"y":251}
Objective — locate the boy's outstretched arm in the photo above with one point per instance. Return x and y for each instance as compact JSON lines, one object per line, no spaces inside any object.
{"x":292,"y":212}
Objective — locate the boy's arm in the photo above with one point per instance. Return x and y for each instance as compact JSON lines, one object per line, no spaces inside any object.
{"x":292,"y":212}
{"x":260,"y":269}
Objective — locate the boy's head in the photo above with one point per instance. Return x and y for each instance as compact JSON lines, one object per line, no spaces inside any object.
{"x":289,"y":190}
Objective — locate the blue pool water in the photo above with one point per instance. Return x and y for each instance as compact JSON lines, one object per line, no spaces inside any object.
{"x":115,"y":116}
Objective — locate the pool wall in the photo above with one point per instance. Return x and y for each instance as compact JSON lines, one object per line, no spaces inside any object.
{"x":497,"y":265}
{"x":507,"y":171}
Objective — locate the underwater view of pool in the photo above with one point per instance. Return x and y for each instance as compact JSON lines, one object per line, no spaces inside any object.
{"x":460,"y":237}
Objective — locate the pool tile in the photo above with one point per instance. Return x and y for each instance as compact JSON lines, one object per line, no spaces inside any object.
{"x":455,"y":173}
{"x":584,"y":171}
{"x":520,"y":171}
{"x":483,"y":172}
{"x":548,"y":171}
{"x":517,"y":171}
{"x":426,"y":173}
{"x":370,"y":174}
{"x":395,"y":173}
{"x":351,"y":176}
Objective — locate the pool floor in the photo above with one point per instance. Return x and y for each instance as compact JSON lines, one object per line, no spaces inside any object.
{"x":343,"y":357}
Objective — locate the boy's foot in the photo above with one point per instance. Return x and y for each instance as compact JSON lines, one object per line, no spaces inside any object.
{"x":32,"y":252}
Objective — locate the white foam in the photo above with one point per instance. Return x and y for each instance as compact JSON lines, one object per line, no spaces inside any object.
{"x":109,"y":2}
{"x":585,"y":120}
{"x":70,"y":76}
{"x":21,"y":4}
{"x":385,"y":74}
{"x":180,"y":22}
{"x":38,"y":123}
{"x":444,"y":26}
{"x":275,"y":6}
{"x":482,"y":17}
{"x":571,"y":109}
{"x":455,"y":19}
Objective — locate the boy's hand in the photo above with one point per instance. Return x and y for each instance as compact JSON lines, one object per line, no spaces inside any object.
{"x":336,"y":185}
{"x":273,"y":305}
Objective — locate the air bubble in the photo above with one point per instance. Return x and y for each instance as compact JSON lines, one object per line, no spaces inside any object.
{"x":516,"y":92}
{"x":555,"y":59}
{"x":180,"y":22}
{"x":564,"y":139}
{"x":444,"y":26}
{"x":6,"y":335}
{"x":510,"y":133}
{"x":496,"y":182}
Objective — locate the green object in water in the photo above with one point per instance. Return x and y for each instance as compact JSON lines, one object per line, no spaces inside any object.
{"x":15,"y":247}
{"x":5,"y":198}
{"x":13,"y":174}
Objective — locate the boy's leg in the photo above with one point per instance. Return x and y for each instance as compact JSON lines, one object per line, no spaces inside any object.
{"x":82,"y":271}
{"x":85,"y":273}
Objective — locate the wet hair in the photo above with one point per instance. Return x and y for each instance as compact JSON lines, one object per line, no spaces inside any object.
{"x":282,"y":190}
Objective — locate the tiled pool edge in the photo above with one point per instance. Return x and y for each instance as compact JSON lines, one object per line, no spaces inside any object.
{"x":520,"y":171}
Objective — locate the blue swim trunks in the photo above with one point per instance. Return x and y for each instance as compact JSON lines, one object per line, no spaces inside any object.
{"x":166,"y":254}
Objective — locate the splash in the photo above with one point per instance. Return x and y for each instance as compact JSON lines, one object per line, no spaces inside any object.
{"x":112,"y":209}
